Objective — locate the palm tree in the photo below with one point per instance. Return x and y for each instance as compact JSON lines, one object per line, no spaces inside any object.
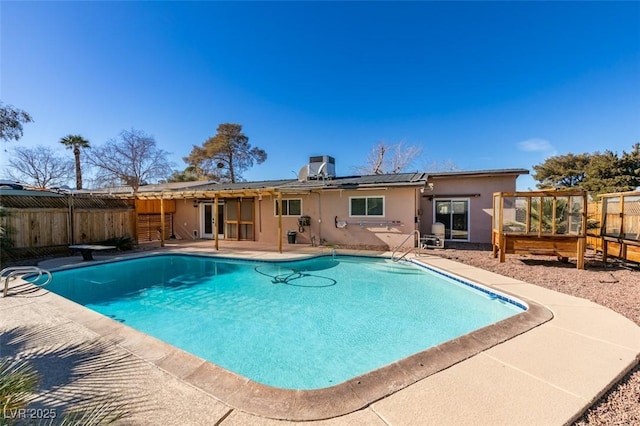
{"x":19,"y":383}
{"x":542,"y":216}
{"x":76,"y":142}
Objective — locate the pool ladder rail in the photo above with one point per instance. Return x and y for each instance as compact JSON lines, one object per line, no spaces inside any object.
{"x":12,"y":271}
{"x":412,"y":234}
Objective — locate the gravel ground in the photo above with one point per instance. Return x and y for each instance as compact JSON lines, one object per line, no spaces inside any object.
{"x":615,"y":285}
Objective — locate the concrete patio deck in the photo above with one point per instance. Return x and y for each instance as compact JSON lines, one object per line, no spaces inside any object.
{"x":546,"y":376}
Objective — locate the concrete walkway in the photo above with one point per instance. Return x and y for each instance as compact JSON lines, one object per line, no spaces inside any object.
{"x":546,"y":376}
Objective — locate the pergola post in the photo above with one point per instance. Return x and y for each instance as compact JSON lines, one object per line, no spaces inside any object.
{"x":215,"y":221}
{"x":502,"y":241}
{"x":279,"y":222}
{"x":581,"y":250}
{"x":161,"y":221}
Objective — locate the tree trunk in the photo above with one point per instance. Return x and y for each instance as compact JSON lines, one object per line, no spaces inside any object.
{"x":76,"y":153}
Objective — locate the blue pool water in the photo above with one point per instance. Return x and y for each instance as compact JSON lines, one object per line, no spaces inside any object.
{"x":298,"y":325}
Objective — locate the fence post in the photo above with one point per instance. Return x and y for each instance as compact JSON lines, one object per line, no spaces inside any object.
{"x":70,"y":221}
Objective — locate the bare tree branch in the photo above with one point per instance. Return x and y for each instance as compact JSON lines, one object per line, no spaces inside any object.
{"x":441,"y":166}
{"x":40,"y":167}
{"x":131,"y":159}
{"x":387,"y":158}
{"x":403,"y":157}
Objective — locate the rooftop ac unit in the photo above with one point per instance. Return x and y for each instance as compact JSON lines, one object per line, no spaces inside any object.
{"x":321,"y":166}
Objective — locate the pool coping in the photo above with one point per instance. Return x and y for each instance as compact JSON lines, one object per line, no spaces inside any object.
{"x":303,"y":405}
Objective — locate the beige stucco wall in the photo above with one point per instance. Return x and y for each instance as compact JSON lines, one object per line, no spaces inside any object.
{"x":480,"y":207}
{"x":365,"y":232}
{"x":186,"y":219}
{"x":401,"y":204}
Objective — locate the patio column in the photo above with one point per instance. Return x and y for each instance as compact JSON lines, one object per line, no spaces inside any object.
{"x":215,"y":222}
{"x":279,"y":222}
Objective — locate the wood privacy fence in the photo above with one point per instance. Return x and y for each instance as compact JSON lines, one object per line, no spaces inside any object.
{"x":36,"y":219}
{"x":620,"y":225}
{"x":149,"y":226}
{"x":150,"y":222}
{"x":615,"y":225}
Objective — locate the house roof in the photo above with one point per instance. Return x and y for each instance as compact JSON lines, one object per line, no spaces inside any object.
{"x":479,"y":173}
{"x":273,"y":187}
{"x":7,"y":192}
{"x":25,"y":199}
{"x":254,"y":185}
{"x":154,"y":187}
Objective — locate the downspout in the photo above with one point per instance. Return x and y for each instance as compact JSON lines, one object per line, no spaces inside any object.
{"x":416,"y":209}
{"x":319,"y":217}
{"x":426,"y":188}
{"x":416,"y":218}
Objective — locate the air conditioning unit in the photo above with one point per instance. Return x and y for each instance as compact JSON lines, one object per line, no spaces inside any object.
{"x":322,"y":166}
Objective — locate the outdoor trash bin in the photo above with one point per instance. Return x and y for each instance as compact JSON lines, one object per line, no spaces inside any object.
{"x":291,"y":236}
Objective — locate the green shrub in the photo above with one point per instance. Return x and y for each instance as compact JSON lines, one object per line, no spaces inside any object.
{"x":121,"y":243}
{"x":18,"y":381}
{"x":5,"y":241}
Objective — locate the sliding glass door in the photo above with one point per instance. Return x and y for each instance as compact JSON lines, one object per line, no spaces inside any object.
{"x":454,"y":214}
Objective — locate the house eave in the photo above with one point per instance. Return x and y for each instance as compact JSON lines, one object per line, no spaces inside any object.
{"x":478,"y":173}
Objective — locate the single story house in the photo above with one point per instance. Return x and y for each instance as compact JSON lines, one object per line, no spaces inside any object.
{"x":369,"y":212}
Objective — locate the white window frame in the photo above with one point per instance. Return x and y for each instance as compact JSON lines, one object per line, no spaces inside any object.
{"x":286,"y":201}
{"x":366,"y":197}
{"x":468,"y":200}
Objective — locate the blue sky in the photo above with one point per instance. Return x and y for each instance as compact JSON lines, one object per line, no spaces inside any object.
{"x":482,"y":85}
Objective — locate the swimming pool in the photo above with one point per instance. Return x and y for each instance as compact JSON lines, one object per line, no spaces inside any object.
{"x":306,"y":324}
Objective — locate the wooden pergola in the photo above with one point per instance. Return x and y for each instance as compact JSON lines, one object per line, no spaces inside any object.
{"x":215,"y":195}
